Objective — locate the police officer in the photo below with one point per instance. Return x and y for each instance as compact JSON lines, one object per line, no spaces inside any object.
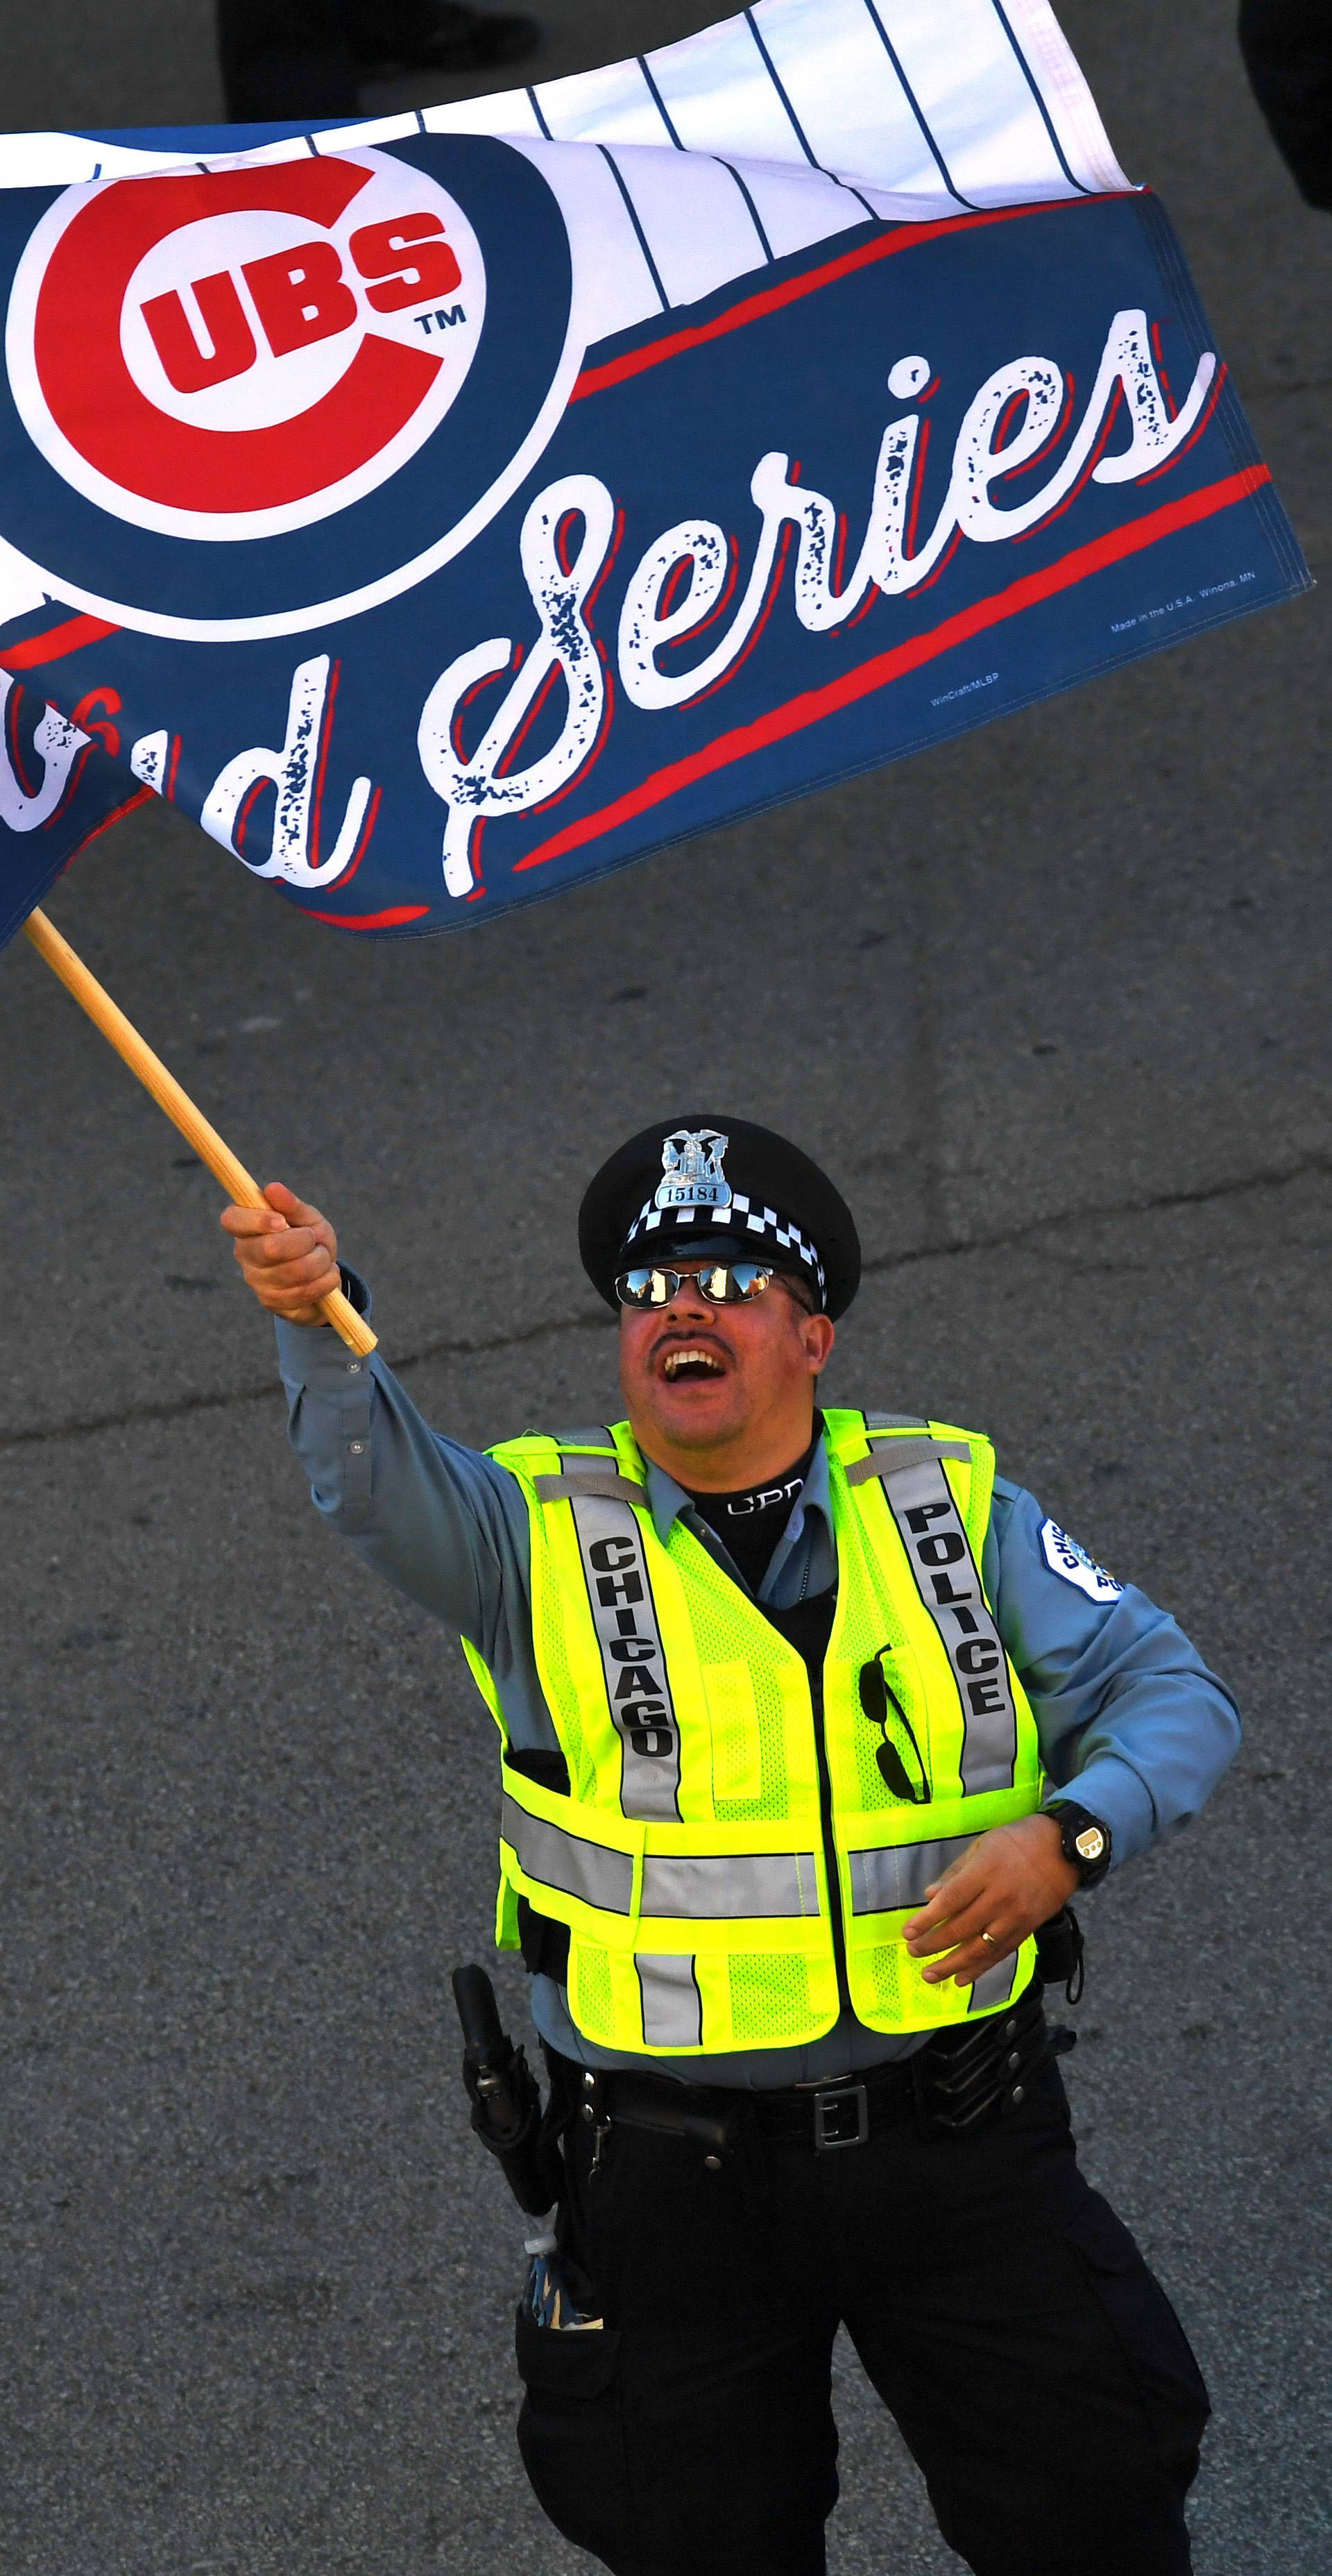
{"x":810,"y":1728}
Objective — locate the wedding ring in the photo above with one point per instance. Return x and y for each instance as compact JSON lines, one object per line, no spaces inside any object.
{"x":992,"y":1938}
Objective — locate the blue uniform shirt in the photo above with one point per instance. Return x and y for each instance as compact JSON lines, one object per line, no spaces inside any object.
{"x":1124,"y":1706}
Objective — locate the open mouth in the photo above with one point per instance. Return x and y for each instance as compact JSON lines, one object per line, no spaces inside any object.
{"x":690,"y":1366}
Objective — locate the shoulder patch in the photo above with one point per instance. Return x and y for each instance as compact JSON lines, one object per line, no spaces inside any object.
{"x":1064,"y":1556}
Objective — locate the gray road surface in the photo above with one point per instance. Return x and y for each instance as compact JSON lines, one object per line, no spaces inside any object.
{"x":1053,"y":1004}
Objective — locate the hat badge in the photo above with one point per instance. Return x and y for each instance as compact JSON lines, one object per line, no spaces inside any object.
{"x":691,"y":1162}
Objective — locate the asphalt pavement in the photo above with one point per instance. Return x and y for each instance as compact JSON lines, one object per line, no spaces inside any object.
{"x":1052,"y":1003}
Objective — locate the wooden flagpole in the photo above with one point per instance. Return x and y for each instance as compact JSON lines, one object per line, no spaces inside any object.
{"x":179,"y":1107}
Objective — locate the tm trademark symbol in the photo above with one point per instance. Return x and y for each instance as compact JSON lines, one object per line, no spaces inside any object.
{"x":441,"y":319}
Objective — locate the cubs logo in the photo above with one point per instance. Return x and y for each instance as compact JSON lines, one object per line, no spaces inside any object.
{"x":244,"y":358}
{"x":235,"y":353}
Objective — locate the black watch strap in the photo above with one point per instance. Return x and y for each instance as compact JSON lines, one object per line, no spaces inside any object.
{"x":1086,"y":1841}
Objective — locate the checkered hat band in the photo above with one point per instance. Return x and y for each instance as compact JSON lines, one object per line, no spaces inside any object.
{"x":758,"y":1221}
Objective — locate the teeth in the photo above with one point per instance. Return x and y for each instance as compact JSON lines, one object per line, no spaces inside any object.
{"x":676,"y":1360}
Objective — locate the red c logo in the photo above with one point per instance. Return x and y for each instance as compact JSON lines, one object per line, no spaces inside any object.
{"x":301,"y":297}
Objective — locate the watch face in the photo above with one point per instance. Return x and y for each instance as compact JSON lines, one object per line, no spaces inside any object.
{"x":1090,"y":1843}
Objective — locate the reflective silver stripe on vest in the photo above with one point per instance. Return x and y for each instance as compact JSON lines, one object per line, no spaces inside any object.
{"x":921,"y":1502}
{"x":724,"y":1885}
{"x":606,"y":1482}
{"x":624,"y":1614}
{"x":578,"y":1868}
{"x":672,"y":2004}
{"x":893,"y":1457}
{"x":883,"y":1881}
{"x":995,"y":1986}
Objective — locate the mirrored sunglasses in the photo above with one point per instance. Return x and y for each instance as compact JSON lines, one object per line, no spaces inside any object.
{"x":723,"y":1283}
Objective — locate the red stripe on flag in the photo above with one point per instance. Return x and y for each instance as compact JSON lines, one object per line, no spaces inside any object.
{"x":594,"y":380}
{"x":371,"y":920}
{"x":814,"y":704}
{"x":57,"y":641}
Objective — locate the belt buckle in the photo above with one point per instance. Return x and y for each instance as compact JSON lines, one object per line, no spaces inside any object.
{"x":827,"y":2105}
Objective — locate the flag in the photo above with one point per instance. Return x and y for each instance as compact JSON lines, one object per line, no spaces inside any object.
{"x":452,"y":507}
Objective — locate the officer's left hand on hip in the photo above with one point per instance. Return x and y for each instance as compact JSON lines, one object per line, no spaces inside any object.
{"x":1012,"y":1879}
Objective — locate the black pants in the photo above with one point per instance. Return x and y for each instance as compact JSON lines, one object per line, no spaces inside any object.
{"x":1007,"y":2319}
{"x":1287,"y":49}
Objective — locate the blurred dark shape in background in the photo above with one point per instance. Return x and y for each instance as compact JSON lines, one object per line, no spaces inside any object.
{"x":1287,"y":49}
{"x":283,"y":59}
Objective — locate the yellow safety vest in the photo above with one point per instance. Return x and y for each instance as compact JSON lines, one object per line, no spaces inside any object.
{"x":691,"y":1858}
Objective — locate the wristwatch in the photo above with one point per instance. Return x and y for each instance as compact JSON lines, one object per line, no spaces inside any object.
{"x":1085,"y":1839}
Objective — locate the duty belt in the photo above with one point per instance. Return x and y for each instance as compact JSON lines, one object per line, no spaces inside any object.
{"x":951,"y":2084}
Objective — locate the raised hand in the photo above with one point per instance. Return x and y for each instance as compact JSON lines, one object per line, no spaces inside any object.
{"x":288,"y":1253}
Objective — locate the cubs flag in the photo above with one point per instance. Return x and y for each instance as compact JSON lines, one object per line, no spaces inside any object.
{"x":451,"y":507}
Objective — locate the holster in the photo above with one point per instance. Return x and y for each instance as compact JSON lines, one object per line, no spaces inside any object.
{"x":507,"y":2112}
{"x":510,"y":2119}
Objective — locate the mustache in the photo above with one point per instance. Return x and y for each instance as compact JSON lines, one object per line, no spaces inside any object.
{"x":678,"y":1339}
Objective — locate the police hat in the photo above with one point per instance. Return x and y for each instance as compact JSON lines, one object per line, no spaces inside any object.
{"x":705,"y":1184}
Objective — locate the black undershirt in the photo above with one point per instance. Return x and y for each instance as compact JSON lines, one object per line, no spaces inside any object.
{"x":750,"y":1522}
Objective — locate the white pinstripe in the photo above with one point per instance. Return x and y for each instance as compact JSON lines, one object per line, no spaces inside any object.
{"x":838,"y":110}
